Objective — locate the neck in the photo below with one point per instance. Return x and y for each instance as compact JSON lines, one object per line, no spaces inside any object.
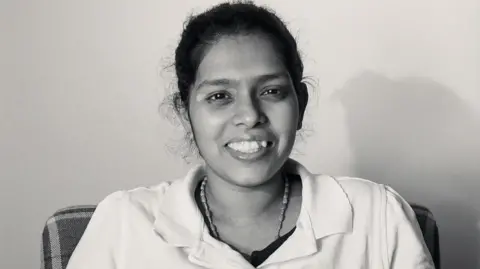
{"x":241,"y":204}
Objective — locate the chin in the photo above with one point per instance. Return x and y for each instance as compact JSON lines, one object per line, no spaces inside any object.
{"x":247,"y":173}
{"x":250,"y":177}
{"x":249,"y":182}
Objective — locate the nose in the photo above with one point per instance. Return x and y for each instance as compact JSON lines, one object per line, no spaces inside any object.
{"x":248,"y":112}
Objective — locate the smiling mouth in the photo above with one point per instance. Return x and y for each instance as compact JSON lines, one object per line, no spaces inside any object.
{"x":249,"y":147}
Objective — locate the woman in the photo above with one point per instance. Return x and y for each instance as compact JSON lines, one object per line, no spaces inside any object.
{"x":242,"y":99}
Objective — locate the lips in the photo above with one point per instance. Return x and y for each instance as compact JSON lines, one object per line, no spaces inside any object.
{"x":249,"y":148}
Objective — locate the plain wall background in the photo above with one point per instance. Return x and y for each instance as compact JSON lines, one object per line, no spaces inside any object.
{"x":397,"y":102}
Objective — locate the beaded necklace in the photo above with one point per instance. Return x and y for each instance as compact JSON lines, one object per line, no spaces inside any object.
{"x":208,"y":213}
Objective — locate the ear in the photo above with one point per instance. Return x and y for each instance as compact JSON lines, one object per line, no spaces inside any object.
{"x":302,"y":96}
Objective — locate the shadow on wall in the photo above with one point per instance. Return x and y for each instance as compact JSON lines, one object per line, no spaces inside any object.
{"x":420,"y":138}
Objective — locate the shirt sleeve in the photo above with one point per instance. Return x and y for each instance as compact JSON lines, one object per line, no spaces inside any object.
{"x":99,"y":244}
{"x":406,"y":248}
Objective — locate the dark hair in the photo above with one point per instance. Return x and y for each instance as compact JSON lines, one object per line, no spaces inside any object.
{"x":228,"y":19}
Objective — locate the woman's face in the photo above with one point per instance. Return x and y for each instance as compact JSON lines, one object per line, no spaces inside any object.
{"x":243,"y":110}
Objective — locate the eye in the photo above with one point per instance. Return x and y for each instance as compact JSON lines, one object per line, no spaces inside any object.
{"x":218,"y":97}
{"x":271,"y":91}
{"x":275,"y":92}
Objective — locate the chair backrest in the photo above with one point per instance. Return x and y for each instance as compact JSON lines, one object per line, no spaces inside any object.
{"x":430,"y":232}
{"x":64,"y":228}
{"x":61,"y":234}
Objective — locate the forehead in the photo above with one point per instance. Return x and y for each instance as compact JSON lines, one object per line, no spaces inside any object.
{"x":240,"y":58}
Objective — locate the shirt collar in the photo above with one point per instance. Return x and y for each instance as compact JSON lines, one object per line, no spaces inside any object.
{"x":180,"y":223}
{"x":324,"y":202}
{"x":178,"y":220}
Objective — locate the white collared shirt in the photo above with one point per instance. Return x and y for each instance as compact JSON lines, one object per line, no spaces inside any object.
{"x":344,"y":223}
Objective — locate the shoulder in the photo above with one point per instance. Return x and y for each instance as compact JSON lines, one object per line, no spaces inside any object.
{"x":142,"y":200}
{"x":372,"y":199}
{"x":360,"y":191}
{"x":366,"y":195}
{"x":356,"y":184}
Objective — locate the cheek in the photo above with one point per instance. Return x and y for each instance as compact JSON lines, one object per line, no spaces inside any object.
{"x":283,"y":118}
{"x":207,"y":126}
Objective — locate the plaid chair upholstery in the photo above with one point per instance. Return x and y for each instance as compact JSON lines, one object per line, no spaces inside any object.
{"x":64,"y":229}
{"x":61,"y":234}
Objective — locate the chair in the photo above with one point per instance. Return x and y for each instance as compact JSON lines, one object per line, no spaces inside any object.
{"x":63,"y":231}
{"x":61,"y":234}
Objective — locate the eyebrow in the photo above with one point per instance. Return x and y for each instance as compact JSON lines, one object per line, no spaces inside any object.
{"x":226,"y":82}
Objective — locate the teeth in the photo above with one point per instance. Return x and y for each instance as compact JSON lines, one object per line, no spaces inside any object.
{"x":248,"y":146}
